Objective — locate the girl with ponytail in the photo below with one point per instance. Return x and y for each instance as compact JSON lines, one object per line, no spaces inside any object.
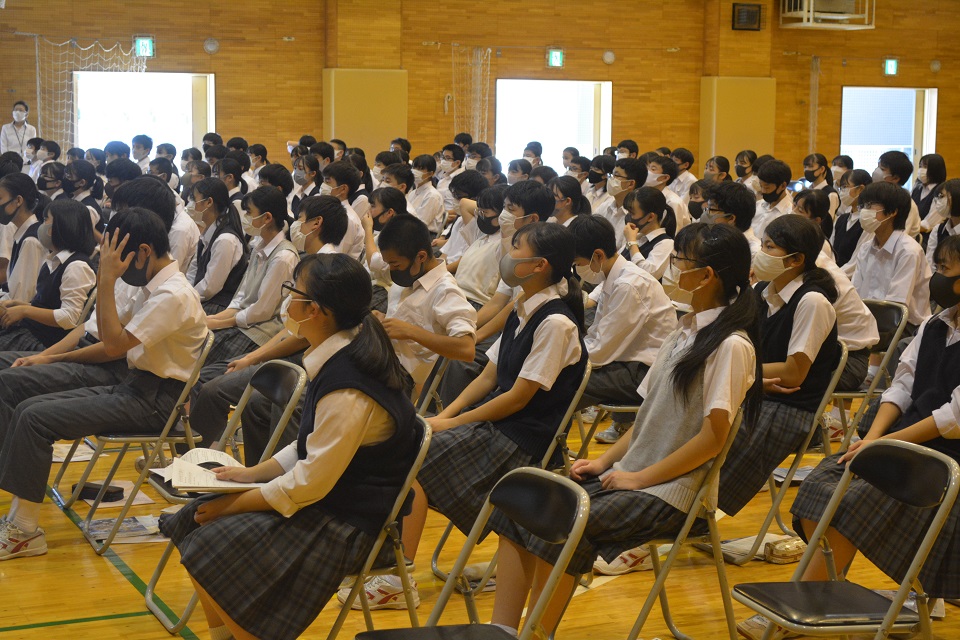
{"x":325,"y":496}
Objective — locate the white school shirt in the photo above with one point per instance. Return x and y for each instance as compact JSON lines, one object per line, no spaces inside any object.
{"x":813,"y":318}
{"x":78,"y":279}
{"x":681,"y":184}
{"x":361,"y":204}
{"x":443,"y":186}
{"x":947,"y":416}
{"x":22,"y":279}
{"x":932,"y":242}
{"x":598,"y":198}
{"x":344,"y":421}
{"x":766,"y":213}
{"x":913,"y":220}
{"x":615,"y":215}
{"x":728,"y":372}
{"x":478,"y":273}
{"x":556,"y":343}
{"x":434,"y":302}
{"x":856,"y":326}
{"x":680,"y":211}
{"x":456,"y":245}
{"x":184,"y":237}
{"x":354,"y":240}
{"x":166,"y":317}
{"x":144,"y":164}
{"x":428,"y":205}
{"x":268,"y":298}
{"x":753,"y":241}
{"x":897,"y":272}
{"x":14,"y":139}
{"x":656,"y":263}
{"x":251,"y":179}
{"x":123,"y":298}
{"x":751,"y":182}
{"x":6,"y":241}
{"x":35,"y":168}
{"x":224,"y":256}
{"x":634,"y":317}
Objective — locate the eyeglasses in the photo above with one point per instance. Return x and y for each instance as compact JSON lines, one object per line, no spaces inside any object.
{"x":674,"y":259}
{"x":718,"y":213}
{"x":289,"y":287}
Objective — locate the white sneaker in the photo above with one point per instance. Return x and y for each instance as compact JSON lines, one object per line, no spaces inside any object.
{"x":589,"y":414}
{"x":15,"y":543}
{"x":637,"y":559}
{"x":755,"y":627}
{"x":381,"y":593}
{"x":834,"y":427}
{"x":612,"y":433}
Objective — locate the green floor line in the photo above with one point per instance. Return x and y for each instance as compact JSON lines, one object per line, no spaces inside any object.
{"x":58,"y":623}
{"x":126,"y":572}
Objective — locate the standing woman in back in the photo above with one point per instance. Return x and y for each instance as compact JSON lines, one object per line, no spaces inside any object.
{"x":14,"y":135}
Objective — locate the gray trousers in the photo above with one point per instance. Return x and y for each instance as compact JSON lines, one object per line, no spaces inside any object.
{"x":140,"y":404}
{"x":856,"y":370}
{"x":460,"y":374}
{"x":615,"y":383}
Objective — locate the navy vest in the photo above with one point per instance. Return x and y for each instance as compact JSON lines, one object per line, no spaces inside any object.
{"x":775,"y":341}
{"x":923,"y":204}
{"x":534,"y":426}
{"x":15,"y":252}
{"x":942,"y":232}
{"x":90,"y":201}
{"x":48,"y":297}
{"x":937,"y":375}
{"x":232,"y":283}
{"x":646,"y":247}
{"x":365,"y":493}
{"x":845,"y":239}
{"x":297,"y":200}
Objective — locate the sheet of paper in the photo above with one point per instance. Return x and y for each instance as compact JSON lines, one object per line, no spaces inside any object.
{"x":188,"y":477}
{"x":82,"y":454}
{"x":200,"y":456}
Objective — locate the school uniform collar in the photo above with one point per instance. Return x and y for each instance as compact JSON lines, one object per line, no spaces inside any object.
{"x":54,"y":260}
{"x":527,"y":307}
{"x":950,"y":317}
{"x":264,"y":250}
{"x":208,"y":233}
{"x":22,"y":229}
{"x":785,"y":293}
{"x":647,"y":237}
{"x":314,"y":360}
{"x":328,"y":248}
{"x":162,"y":276}
{"x":890,"y":245}
{"x":610,"y":279}
{"x":430,"y":279}
{"x":692,"y":323}
{"x":56,"y":194}
{"x":233,"y":191}
{"x":80,"y":196}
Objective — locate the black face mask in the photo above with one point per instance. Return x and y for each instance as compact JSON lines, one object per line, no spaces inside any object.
{"x":941,"y":290}
{"x":594,"y":178}
{"x":695,"y":209}
{"x":486,"y":225}
{"x":109,"y":189}
{"x":741,"y":171}
{"x":6,"y":218}
{"x":378,"y":222}
{"x":810,"y":176}
{"x":44,"y":183}
{"x":69,"y":186}
{"x":771,"y":197}
{"x":405,"y":278}
{"x":136,"y":277}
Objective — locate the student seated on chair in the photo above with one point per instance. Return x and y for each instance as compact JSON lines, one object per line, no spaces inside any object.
{"x":385,"y":204}
{"x":65,"y":281}
{"x":950,"y":197}
{"x":642,"y":487}
{"x":160,"y":333}
{"x":847,"y":231}
{"x":478,"y":270}
{"x":317,"y":517}
{"x":731,"y":203}
{"x":21,"y":204}
{"x":506,"y":418}
{"x":798,"y":349}
{"x":634,"y":317}
{"x":649,"y":228}
{"x":921,"y":406}
{"x":628,"y":175}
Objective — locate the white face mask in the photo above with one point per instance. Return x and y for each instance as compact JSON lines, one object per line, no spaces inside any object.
{"x":531,"y":159}
{"x":615,"y":186}
{"x":183,"y":166}
{"x":325,"y":189}
{"x":869,"y":221}
{"x":573,"y":173}
{"x":19,"y":116}
{"x":470,"y":164}
{"x":879,"y":175}
{"x":653,"y":179}
{"x":622,"y":155}
{"x":337,"y":155}
{"x":837,"y":173}
{"x":42,"y":154}
{"x":247,"y":223}
{"x":446,"y":166}
{"x":291,"y":325}
{"x":587,"y":274}
{"x":671,"y":286}
{"x":377,"y":174}
{"x":30,"y":154}
{"x":418,"y":176}
{"x":767,"y":267}
{"x":847,"y":198}
{"x":139,"y":155}
{"x":939,"y":206}
{"x":922,"y":175}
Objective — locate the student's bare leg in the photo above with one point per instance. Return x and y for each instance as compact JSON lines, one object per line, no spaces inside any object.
{"x":217,"y":617}
{"x":557,"y":604}
{"x":414,"y":523}
{"x":843,"y":553}
{"x":515,"y":573}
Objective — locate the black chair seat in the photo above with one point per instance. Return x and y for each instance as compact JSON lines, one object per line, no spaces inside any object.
{"x":453,"y":632}
{"x":823,"y":603}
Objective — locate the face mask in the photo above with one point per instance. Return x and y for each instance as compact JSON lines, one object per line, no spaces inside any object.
{"x":508,"y":270}
{"x":470,"y":164}
{"x":741,"y":171}
{"x":879,"y":175}
{"x":767,"y":267}
{"x":378,"y":221}
{"x":869,"y":221}
{"x":837,"y":173}
{"x":45,"y":236}
{"x":108,"y":190}
{"x":942,"y":290}
{"x":772,"y":197}
{"x":486,"y":225}
{"x":695,"y":209}
{"x":19,"y":116}
{"x":712,"y":218}
{"x":70,"y":186}
{"x":587,"y":274}
{"x":183,"y":165}
{"x":513,"y":178}
{"x":6,"y":218}
{"x":247,"y":223}
{"x":531,"y":159}
{"x":710,"y":175}
{"x":139,"y":155}
{"x":573,"y":173}
{"x":508,"y":223}
{"x":622,"y":155}
{"x":671,"y":286}
{"x":292,"y":326}
{"x":593,"y":177}
{"x":405,"y":278}
{"x":922,"y":175}
{"x":173,"y":182}
{"x":377,"y":174}
{"x":42,"y":154}
{"x":136,"y":277}
{"x":300,"y":176}
{"x":45,"y":184}
{"x":847,"y":198}
{"x":325,"y":189}
{"x":337,"y":155}
{"x":446,"y":166}
{"x":418,"y":175}
{"x":653,"y":179}
{"x":30,"y":154}
{"x":810,"y":175}
{"x":615,"y":186}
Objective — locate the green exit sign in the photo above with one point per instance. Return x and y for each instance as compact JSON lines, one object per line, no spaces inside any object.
{"x":144,"y":47}
{"x":891,"y":66}
{"x":555,"y":58}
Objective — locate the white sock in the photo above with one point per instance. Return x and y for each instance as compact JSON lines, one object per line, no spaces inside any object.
{"x":220,"y":633}
{"x":13,"y":509}
{"x":512,"y":631}
{"x":27,"y":515}
{"x":873,"y":370}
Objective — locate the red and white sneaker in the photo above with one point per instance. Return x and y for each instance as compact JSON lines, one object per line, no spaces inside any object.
{"x":381,"y":593}
{"x":637,"y":559}
{"x":16,"y":544}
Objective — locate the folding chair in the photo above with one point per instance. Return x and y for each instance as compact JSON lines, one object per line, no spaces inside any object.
{"x":891,"y":320}
{"x":704,"y":506}
{"x":392,"y":529}
{"x":906,"y":472}
{"x":429,"y":394}
{"x":549,"y":506}
{"x":559,"y":440}
{"x":777,"y":495}
{"x":282,"y":384}
{"x":603,"y":410}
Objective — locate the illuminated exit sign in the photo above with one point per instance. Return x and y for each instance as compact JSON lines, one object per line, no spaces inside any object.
{"x":555,"y":58}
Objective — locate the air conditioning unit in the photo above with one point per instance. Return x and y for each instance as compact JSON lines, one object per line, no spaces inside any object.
{"x":838,"y":15}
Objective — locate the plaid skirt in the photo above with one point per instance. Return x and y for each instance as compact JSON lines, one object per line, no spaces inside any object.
{"x":886,"y":531}
{"x":618,"y":521}
{"x":272,"y":575}
{"x":212,"y":308}
{"x":19,"y":339}
{"x":230,"y":344}
{"x":778,"y":432}
{"x":462,"y":466}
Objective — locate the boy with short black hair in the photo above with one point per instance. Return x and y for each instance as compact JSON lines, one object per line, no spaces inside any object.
{"x":774,"y":176}
{"x":628,"y":174}
{"x":895,"y":167}
{"x":425,"y":201}
{"x":142,"y":146}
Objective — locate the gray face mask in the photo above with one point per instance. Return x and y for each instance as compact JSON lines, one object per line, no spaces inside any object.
{"x":508,"y":270}
{"x":45,"y":236}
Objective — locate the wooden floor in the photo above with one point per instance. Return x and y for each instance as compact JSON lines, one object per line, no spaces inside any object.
{"x":73,"y":593}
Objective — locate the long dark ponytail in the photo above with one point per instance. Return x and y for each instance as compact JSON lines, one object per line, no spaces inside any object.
{"x":724,"y":249}
{"x":557,"y":244}
{"x":340,"y":285}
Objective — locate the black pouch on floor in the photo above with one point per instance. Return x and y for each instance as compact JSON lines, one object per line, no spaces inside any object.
{"x":91,"y":489}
